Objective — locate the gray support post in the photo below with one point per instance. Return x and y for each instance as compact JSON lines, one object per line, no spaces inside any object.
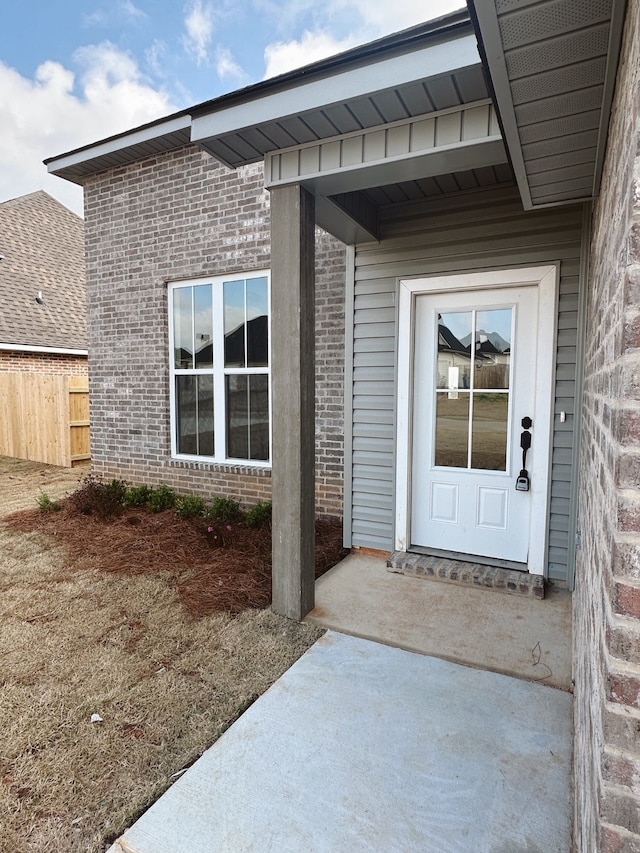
{"x":293,"y":390}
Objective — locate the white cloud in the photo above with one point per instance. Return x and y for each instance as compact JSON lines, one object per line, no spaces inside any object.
{"x":386,"y":18}
{"x":155,"y":57}
{"x":55,"y":112}
{"x":283,"y":56}
{"x":370,"y":20}
{"x":199,"y":26}
{"x":228,"y":68}
{"x":132,"y":10}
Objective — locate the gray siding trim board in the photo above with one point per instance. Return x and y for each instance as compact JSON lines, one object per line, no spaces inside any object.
{"x":474,"y":232}
{"x":350,"y":264}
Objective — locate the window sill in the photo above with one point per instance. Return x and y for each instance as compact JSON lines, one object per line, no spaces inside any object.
{"x":246,"y":468}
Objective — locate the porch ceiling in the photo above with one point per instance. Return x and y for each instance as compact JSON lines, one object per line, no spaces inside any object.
{"x":552,"y":65}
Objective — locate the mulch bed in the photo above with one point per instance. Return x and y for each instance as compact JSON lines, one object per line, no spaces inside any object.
{"x":215,"y":567}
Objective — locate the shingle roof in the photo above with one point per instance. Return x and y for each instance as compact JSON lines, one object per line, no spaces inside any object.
{"x":43,"y":247}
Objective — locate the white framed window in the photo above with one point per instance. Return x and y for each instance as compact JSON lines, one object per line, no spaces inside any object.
{"x":219,"y":354}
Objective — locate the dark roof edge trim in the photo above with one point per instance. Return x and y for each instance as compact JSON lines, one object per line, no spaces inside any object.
{"x":455,"y":23}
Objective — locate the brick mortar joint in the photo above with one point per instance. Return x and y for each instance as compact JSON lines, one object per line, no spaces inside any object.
{"x":615,"y":751}
{"x":624,"y":581}
{"x":627,"y":538}
{"x":616,"y":666}
{"x":621,"y":791}
{"x":627,"y":623}
{"x":620,"y":830}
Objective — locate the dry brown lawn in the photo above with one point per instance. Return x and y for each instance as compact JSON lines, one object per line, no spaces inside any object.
{"x":76,"y":640}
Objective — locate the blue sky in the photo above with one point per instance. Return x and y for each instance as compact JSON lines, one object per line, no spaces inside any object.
{"x":76,"y":71}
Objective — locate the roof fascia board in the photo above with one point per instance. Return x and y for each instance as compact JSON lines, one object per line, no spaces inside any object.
{"x":429,"y":61}
{"x":618,"y":12}
{"x":110,"y":146}
{"x":491,"y":44}
{"x":50,"y":350}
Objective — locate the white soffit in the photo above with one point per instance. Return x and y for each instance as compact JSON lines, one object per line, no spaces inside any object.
{"x":427,"y":79}
{"x":142,"y":142}
{"x":552,"y":65}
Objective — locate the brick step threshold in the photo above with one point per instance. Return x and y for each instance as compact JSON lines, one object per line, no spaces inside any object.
{"x":466,"y":574}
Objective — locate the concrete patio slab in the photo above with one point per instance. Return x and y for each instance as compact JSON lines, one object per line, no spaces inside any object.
{"x":512,"y":635}
{"x":366,"y":747}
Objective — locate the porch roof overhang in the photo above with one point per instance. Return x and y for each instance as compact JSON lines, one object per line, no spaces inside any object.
{"x":552,"y":67}
{"x":548,"y":67}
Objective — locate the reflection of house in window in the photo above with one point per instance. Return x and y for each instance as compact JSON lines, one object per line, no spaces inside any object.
{"x":452,"y":353}
{"x":256,"y":344}
{"x":220,"y":368}
{"x":492,"y":362}
{"x":204,"y":352}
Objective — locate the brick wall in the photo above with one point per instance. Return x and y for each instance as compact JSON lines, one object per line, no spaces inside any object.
{"x":178,"y":216}
{"x":36,"y":362}
{"x":607,"y":596}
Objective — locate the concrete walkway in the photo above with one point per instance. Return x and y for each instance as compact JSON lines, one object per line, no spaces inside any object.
{"x":365,"y":747}
{"x":514,"y":635}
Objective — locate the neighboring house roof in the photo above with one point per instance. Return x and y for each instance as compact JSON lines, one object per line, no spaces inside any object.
{"x":550,"y":66}
{"x":42,"y":244}
{"x":448,"y":341}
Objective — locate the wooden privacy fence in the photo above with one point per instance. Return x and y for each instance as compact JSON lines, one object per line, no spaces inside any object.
{"x":45,"y":418}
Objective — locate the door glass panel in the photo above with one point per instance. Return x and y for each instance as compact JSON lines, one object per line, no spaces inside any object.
{"x":452,"y":429}
{"x":489,"y":431}
{"x":454,"y":359}
{"x":492,"y":348}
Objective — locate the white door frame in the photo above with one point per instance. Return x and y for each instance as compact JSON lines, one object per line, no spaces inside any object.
{"x":546,"y":279}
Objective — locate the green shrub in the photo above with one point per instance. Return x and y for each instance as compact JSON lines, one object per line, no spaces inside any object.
{"x":99,"y":497}
{"x":47,"y":505}
{"x":191,"y":506}
{"x":260,"y":515}
{"x":225,"y":509}
{"x":161,"y":498}
{"x":137,"y":496}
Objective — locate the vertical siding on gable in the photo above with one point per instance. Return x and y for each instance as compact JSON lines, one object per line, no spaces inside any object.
{"x":480,"y":231}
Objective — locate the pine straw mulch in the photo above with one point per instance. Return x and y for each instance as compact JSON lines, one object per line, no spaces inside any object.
{"x":214,"y":567}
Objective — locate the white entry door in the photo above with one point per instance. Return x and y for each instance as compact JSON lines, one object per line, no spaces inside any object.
{"x":477,"y":373}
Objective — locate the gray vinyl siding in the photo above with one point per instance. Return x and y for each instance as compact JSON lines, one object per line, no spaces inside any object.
{"x":480,"y":231}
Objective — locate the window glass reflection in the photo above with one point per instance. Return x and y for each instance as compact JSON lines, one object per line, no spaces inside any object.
{"x":203,"y":325}
{"x":454,"y":357}
{"x":194,"y":415}
{"x":489,"y":431}
{"x":205,"y":416}
{"x":452,"y":429}
{"x":257,"y":323}
{"x":493,"y":348}
{"x":247,"y":416}
{"x":234,"y":324}
{"x":182,"y":327}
